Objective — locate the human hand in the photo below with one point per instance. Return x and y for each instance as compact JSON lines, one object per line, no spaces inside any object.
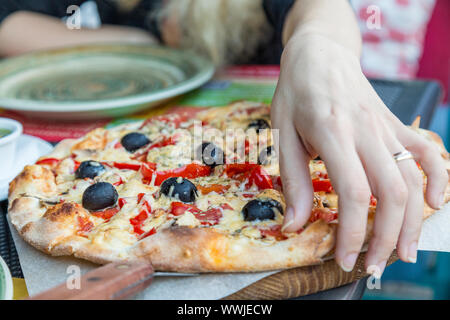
{"x":325,"y":106}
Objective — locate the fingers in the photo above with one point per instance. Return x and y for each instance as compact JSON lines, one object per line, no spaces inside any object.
{"x":431,"y":162}
{"x":413,"y":218}
{"x":296,"y":178}
{"x":392,"y":192}
{"x":412,"y":222}
{"x":350,"y":182}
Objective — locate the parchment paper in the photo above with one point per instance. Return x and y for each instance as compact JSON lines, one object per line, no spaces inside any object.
{"x":43,"y":272}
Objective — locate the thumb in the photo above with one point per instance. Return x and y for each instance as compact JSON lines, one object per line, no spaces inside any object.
{"x":296,"y":179}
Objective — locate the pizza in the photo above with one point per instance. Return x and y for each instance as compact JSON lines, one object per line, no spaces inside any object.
{"x":194,"y":191}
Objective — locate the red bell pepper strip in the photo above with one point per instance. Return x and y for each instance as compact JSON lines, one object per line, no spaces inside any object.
{"x":190,"y":171}
{"x":84,"y":226}
{"x":170,"y":141}
{"x":147,"y":234}
{"x":226,"y":206}
{"x":322,"y":185}
{"x":147,"y":205}
{"x":118,"y":183}
{"x":138,"y":221}
{"x":260,"y":178}
{"x":234,"y":169}
{"x":326,"y":215}
{"x":210,"y":217}
{"x":127,"y":166}
{"x":218,"y":188}
{"x":273,"y":231}
{"x":253,"y":173}
{"x":107,"y":214}
{"x":76,"y":165}
{"x":373,"y":201}
{"x":139,"y":197}
{"x":49,"y":161}
{"x":179,"y":208}
{"x":122,"y":202}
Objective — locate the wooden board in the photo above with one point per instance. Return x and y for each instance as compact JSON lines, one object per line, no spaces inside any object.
{"x":302,"y":281}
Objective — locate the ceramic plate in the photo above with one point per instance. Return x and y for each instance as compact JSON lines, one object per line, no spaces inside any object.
{"x":98,"y":81}
{"x":28,"y":150}
{"x":6,"y":284}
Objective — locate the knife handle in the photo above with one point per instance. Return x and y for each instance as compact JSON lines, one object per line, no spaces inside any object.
{"x":113,"y":281}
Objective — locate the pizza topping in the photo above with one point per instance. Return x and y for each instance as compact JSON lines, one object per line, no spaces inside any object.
{"x":147,"y":234}
{"x":322,"y":185}
{"x":260,"y":178}
{"x":84,"y":226}
{"x":138,"y":221}
{"x":145,"y":203}
{"x":99,"y":196}
{"x":190,"y":171}
{"x":170,"y":141}
{"x":178,"y":187}
{"x":325,"y":214}
{"x":258,"y":124}
{"x":218,"y":188}
{"x":373,"y":201}
{"x":107,"y":214}
{"x":134,"y":141}
{"x":210,"y":154}
{"x":253,"y":174}
{"x":261,"y":209}
{"x":89,"y":169}
{"x":48,"y":161}
{"x":118,"y":182}
{"x":127,"y":166}
{"x":210,"y":217}
{"x":273,"y":231}
{"x":121,"y":202}
{"x":188,"y":219}
{"x":265,"y":155}
{"x":179,"y":208}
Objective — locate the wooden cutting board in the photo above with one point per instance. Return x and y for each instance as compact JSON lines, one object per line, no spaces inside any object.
{"x":302,"y":281}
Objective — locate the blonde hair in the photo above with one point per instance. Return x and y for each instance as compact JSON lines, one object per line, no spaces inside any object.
{"x":226,"y":31}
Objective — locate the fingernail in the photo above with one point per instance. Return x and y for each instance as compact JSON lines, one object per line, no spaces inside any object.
{"x":288,"y":218}
{"x":412,"y":252}
{"x":349,"y":262}
{"x":377,"y":270}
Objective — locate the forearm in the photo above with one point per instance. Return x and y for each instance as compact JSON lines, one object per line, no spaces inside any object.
{"x":26,"y":31}
{"x":330,"y":18}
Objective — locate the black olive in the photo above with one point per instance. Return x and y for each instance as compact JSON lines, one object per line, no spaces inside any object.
{"x":210,"y":154}
{"x":261,"y":209}
{"x":134,"y":141}
{"x":100,"y":196}
{"x":89,"y":169}
{"x":179,"y":187}
{"x":265,"y":155}
{"x":258,"y":124}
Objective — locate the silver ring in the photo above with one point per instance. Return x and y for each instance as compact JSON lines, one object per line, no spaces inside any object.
{"x":402,"y":155}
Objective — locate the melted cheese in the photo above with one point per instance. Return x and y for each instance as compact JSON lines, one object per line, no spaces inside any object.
{"x":188,"y":220}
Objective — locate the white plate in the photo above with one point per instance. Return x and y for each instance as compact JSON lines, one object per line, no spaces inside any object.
{"x":98,"y":81}
{"x":6,"y":283}
{"x":28,"y":150}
